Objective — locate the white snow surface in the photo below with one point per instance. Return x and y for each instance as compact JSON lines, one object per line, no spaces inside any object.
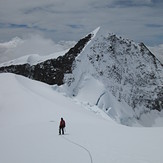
{"x":30,"y":112}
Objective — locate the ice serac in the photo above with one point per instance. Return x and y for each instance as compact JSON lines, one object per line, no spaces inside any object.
{"x":130,"y":74}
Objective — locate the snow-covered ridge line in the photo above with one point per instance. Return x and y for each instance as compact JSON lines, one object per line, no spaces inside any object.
{"x":33,"y":59}
{"x":95,"y":32}
{"x":93,"y":35}
{"x":50,"y":71}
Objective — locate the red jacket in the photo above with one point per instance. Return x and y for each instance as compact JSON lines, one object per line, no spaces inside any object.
{"x":62,"y":124}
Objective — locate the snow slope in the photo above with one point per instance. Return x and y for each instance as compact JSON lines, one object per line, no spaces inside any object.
{"x":29,"y":116}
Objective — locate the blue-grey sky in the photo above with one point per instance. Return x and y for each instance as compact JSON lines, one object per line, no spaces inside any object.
{"x":138,"y":20}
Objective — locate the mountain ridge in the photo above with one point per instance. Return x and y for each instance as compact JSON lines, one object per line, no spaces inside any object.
{"x":127,"y":72}
{"x":50,"y":71}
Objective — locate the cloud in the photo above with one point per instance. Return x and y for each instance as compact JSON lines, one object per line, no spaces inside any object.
{"x":75,"y":26}
{"x":32,"y":44}
{"x":154,"y":25}
{"x":132,"y":3}
{"x":72,"y":19}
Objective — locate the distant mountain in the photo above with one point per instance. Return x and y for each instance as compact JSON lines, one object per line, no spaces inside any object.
{"x":130,"y":77}
{"x":32,"y":45}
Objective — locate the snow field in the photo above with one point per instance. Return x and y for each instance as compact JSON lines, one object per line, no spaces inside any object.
{"x":30,"y":112}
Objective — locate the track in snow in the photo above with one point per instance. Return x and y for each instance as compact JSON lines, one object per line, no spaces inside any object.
{"x":72,"y":142}
{"x":89,"y":153}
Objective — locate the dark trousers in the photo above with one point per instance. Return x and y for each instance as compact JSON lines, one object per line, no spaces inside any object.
{"x":61,"y":129}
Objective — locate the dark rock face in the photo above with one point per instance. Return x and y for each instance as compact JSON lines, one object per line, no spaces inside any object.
{"x":51,"y":71}
{"x":134,"y":74}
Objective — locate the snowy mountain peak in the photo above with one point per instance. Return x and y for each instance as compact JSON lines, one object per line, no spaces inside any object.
{"x":123,"y":71}
{"x":117,"y":75}
{"x":95,"y":31}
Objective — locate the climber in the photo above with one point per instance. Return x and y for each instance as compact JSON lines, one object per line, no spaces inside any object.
{"x":62,"y":126}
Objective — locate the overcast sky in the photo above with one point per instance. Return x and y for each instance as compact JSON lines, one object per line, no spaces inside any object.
{"x":138,"y":20}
